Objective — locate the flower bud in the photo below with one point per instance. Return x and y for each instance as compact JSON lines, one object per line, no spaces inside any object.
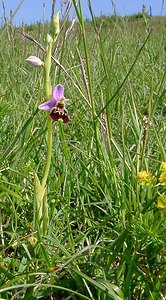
{"x":34,"y":61}
{"x":55,"y":26}
{"x":49,"y":38}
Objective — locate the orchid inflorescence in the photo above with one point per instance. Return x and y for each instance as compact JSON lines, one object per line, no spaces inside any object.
{"x":56,"y":106}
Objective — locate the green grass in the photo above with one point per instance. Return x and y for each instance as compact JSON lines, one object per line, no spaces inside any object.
{"x":106,"y":237}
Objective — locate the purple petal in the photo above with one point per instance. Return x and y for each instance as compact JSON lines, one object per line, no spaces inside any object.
{"x":58,"y":92}
{"x":48,"y":105}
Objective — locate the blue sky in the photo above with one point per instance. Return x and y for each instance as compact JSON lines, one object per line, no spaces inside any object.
{"x":32,"y":10}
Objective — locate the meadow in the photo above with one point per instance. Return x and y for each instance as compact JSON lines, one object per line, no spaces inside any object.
{"x":105,"y":235}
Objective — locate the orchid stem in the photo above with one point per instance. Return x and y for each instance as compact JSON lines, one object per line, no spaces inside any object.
{"x":47,"y":67}
{"x":49,"y":151}
{"x":41,"y":209}
{"x":47,"y":82}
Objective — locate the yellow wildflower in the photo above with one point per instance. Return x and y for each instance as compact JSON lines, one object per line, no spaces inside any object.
{"x":162,"y":178}
{"x":32,"y":240}
{"x":145,"y":178}
{"x":163,"y":166}
{"x":161,"y":202}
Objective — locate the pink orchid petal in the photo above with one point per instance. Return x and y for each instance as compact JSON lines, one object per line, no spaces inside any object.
{"x":48,"y":105}
{"x":58,"y":92}
{"x":34,"y":61}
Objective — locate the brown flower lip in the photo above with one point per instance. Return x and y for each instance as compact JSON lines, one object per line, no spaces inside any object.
{"x":58,"y":113}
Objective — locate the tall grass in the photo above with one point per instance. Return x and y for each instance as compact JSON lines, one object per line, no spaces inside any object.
{"x":106,"y":237}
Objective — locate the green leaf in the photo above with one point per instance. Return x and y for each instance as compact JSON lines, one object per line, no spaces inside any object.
{"x":40,"y":207}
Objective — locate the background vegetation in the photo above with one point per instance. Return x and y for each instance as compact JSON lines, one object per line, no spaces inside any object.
{"x":106,"y":237}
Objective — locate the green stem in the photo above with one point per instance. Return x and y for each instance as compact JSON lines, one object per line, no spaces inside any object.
{"x":47,"y":83}
{"x":47,"y":67}
{"x":49,"y":151}
{"x":63,"y":142}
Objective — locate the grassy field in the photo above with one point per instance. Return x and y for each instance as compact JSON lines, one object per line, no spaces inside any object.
{"x":106,"y":237}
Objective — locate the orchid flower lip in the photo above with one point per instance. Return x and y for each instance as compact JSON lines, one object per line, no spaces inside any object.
{"x":59,"y":114}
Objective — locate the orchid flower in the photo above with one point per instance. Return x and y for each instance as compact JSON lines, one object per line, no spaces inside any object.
{"x":56,"y":106}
